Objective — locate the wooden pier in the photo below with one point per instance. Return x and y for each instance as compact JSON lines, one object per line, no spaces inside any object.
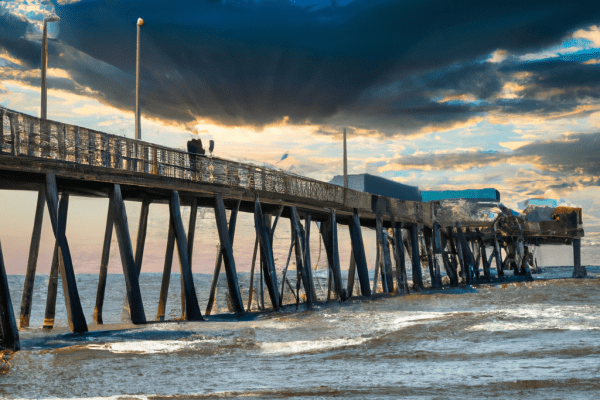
{"x":58,"y":160}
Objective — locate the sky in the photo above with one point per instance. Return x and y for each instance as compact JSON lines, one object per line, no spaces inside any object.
{"x":437,"y":94}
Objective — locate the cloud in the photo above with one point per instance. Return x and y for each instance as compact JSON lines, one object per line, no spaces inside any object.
{"x":375,"y":65}
{"x":569,"y":162}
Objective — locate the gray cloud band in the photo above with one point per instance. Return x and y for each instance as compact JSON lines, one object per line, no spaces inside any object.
{"x":573,"y":155}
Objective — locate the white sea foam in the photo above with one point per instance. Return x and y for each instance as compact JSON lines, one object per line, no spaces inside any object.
{"x":118,"y":397}
{"x":574,"y":318}
{"x":305,"y":346}
{"x":151,"y":346}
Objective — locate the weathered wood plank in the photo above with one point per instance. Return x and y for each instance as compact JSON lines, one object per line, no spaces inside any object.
{"x":34,"y":250}
{"x":134,"y":295}
{"x":104,"y":265}
{"x":192,"y":309}
{"x":75,"y":316}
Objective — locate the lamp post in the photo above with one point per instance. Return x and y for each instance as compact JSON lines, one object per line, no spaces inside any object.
{"x":138,"y":133}
{"x":44,"y":97}
{"x":345,"y":162}
{"x":345,"y":168}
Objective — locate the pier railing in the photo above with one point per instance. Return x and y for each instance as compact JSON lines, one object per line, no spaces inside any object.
{"x":24,"y":135}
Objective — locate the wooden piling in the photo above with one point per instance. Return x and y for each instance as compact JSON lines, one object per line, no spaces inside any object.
{"x":330,"y":240}
{"x":287,"y":263}
{"x":104,"y":265}
{"x":307,"y":259}
{"x":579,"y":270}
{"x":358,"y":250}
{"x":219,"y":260}
{"x":401,"y":279}
{"x":498,"y":256}
{"x":166,"y":277}
{"x":416,"y":262}
{"x":226,"y":238}
{"x":434,"y":270}
{"x":387,"y":262}
{"x":427,"y":238}
{"x":462,"y":258}
{"x":192,"y":309}
{"x":263,"y":231}
{"x":58,"y":217}
{"x":134,"y":295}
{"x":34,"y":250}
{"x":484,"y":259}
{"x":50,"y":310}
{"x":251,"y":289}
{"x":377,"y":267}
{"x":448,"y":265}
{"x":139,"y":248}
{"x":301,"y":251}
{"x":9,"y":333}
{"x":351,"y":275}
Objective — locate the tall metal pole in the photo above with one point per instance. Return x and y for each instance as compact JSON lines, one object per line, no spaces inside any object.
{"x":138,"y":133}
{"x":44,"y":95}
{"x":345,"y":162}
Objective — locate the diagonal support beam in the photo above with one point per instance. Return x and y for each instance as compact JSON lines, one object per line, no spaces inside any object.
{"x":416,"y":261}
{"x":110,"y":219}
{"x":141,"y":235}
{"x":263,"y":232}
{"x":134,"y":294}
{"x":401,"y":278}
{"x":219,"y":260}
{"x":34,"y":250}
{"x":166,"y":277}
{"x":330,"y":240}
{"x":192,"y":309}
{"x":303,"y":255}
{"x":58,"y":217}
{"x":226,"y":252}
{"x":9,"y":333}
{"x":358,"y":249}
{"x":387,"y":261}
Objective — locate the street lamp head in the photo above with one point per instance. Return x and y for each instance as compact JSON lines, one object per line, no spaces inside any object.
{"x":140,"y":22}
{"x":52,"y":19}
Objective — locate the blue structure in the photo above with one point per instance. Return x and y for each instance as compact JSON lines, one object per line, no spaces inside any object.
{"x":474,"y":194}
{"x":381,"y":186}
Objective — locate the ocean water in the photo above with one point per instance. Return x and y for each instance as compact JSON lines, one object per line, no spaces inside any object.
{"x":506,"y":340}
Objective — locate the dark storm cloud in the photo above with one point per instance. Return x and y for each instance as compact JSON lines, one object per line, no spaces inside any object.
{"x":576,"y":155}
{"x":373,"y":63}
